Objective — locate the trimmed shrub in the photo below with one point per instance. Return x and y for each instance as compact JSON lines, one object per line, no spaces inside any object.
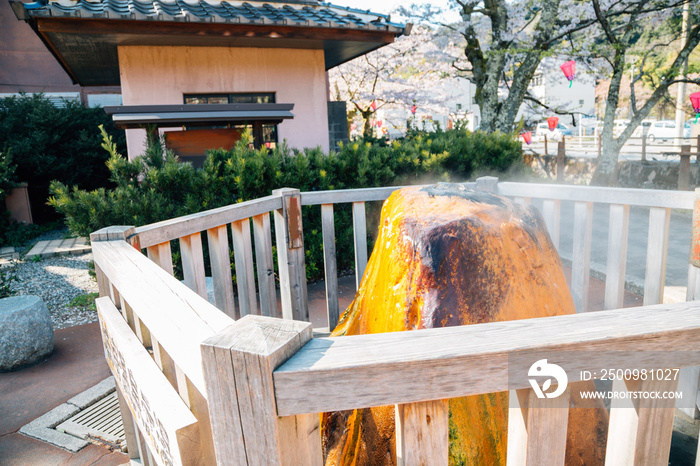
{"x":50,"y":143}
{"x":156,"y":187}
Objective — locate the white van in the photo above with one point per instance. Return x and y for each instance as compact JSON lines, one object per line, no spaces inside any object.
{"x":665,"y":130}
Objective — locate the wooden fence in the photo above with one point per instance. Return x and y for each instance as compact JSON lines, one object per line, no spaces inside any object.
{"x":242,"y":386}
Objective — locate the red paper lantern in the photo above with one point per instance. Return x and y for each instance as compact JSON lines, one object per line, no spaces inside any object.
{"x":695,"y":101}
{"x":552,"y":122}
{"x":413,"y":109}
{"x":527,"y":137}
{"x":569,"y":69}
{"x":374,"y":106}
{"x":379,"y":123}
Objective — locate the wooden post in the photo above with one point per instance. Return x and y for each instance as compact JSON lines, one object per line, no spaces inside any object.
{"x":684,"y":168}
{"x":546,"y":152}
{"x":113,"y":233}
{"x":644,"y":148}
{"x":561,"y":159}
{"x":536,"y":428}
{"x":289,"y":237}
{"x":329,"y":265}
{"x":640,"y":429}
{"x":689,"y":378}
{"x":238,"y":368}
{"x":600,"y":146}
{"x":697,"y":150}
{"x":422,"y":433}
{"x":488,"y":184}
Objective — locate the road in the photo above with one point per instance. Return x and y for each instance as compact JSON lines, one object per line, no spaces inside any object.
{"x":678,"y":244}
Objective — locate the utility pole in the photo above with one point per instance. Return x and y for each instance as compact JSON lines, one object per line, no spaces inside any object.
{"x":680,"y":99}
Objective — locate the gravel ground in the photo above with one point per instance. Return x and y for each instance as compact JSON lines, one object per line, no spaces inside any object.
{"x":57,"y":280}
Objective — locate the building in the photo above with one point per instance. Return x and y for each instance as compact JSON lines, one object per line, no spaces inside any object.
{"x":27,"y":65}
{"x":550,"y":87}
{"x":202,"y":72}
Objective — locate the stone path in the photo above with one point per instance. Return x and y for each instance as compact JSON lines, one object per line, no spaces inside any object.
{"x":59,"y":246}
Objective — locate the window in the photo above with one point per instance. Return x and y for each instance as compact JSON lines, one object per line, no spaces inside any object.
{"x":238,"y":98}
{"x":263,"y":133}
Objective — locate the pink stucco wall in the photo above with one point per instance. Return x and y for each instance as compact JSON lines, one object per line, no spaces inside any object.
{"x":161,"y":75}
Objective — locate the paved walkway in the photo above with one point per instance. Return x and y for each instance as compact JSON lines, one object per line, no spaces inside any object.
{"x":76,"y":364}
{"x":59,"y":246}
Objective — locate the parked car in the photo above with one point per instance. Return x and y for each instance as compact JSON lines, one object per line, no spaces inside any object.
{"x":561,"y":130}
{"x":643,"y":129}
{"x":665,"y":130}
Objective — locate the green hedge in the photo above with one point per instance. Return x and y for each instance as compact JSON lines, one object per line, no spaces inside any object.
{"x":157,"y":187}
{"x":50,"y":143}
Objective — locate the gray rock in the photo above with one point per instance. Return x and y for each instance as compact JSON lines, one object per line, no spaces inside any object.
{"x":26,"y":332}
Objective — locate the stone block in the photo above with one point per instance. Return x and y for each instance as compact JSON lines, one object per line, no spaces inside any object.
{"x":26,"y":332}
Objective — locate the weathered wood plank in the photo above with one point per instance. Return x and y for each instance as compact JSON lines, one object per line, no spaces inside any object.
{"x":581,"y":266}
{"x":174,"y":314}
{"x":330,"y":266}
{"x":154,"y":404}
{"x":130,"y":432}
{"x":422,"y":431}
{"x":636,"y":197}
{"x":618,"y":232}
{"x":161,"y":255}
{"x":640,"y":430}
{"x":265,"y":265}
{"x":245,"y":276}
{"x":657,"y":252}
{"x":221,"y":270}
{"x":171,"y":229}
{"x":193,"y":263}
{"x":469,"y":360}
{"x":256,"y":346}
{"x":359,"y":224}
{"x":537,"y":428}
{"x":551,"y":211}
{"x":290,"y":256}
{"x":347,"y":195}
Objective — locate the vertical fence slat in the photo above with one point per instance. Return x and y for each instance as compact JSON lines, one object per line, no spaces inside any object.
{"x":657,"y":249}
{"x":330,"y":265}
{"x":537,"y":428}
{"x":640,"y":429}
{"x":130,"y":430}
{"x":359,"y":223}
{"x":289,"y":238}
{"x":265,"y":265}
{"x":422,"y":433}
{"x":221,"y":270}
{"x":551,"y":211}
{"x":580,"y":269}
{"x":161,"y":255}
{"x":264,"y":437}
{"x":245,"y":276}
{"x":193,"y":264}
{"x":618,"y":233}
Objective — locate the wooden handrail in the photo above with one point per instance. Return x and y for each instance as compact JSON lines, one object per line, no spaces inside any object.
{"x":635,"y":197}
{"x":168,"y":230}
{"x":431,"y":364}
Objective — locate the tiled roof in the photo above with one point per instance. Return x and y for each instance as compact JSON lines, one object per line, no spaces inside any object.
{"x":290,"y":13}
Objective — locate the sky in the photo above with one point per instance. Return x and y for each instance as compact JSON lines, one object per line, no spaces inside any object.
{"x":386,"y":6}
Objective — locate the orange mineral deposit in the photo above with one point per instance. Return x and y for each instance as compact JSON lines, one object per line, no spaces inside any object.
{"x":445,"y":256}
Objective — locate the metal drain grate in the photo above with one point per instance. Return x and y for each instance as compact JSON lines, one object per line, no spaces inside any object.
{"x":101,"y":421}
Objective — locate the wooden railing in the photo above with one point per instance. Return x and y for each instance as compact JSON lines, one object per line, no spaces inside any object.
{"x":198,"y":385}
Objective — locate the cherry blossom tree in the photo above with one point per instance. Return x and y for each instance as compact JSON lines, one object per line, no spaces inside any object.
{"x":411,"y":71}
